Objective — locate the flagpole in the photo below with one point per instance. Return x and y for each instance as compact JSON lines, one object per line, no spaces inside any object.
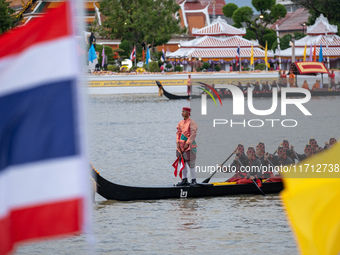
{"x":240,"y":60}
{"x":328,"y":63}
{"x":278,"y":45}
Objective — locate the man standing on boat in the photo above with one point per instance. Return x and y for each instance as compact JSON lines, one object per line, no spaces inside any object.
{"x":189,"y":85}
{"x":186,"y":146}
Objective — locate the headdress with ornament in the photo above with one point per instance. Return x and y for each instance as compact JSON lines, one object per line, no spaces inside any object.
{"x":282,"y":149}
{"x":332,"y":141}
{"x":261,"y":146}
{"x":252,"y":151}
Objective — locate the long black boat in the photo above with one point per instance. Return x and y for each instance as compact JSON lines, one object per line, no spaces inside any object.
{"x":225,"y":94}
{"x":270,"y":95}
{"x":112,"y":191}
{"x":169,"y":95}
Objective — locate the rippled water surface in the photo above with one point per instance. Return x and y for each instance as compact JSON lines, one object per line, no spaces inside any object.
{"x":132,"y":141}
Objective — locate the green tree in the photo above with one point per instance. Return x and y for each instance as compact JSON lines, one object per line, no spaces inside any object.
{"x":6,"y":19}
{"x":206,"y":65}
{"x":257,"y":27}
{"x":250,"y":35}
{"x":140,"y":22}
{"x":125,"y":46}
{"x":287,"y":38}
{"x":243,"y":14}
{"x":329,"y":8}
{"x":269,"y":37}
{"x":229,"y":9}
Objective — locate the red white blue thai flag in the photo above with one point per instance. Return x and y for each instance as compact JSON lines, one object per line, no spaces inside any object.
{"x":133,"y":54}
{"x":237,"y":55}
{"x":44,"y":174}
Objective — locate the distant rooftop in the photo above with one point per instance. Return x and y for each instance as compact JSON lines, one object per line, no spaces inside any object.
{"x":293,"y":21}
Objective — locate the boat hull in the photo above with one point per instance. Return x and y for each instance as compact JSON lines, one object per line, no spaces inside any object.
{"x":169,"y":95}
{"x":112,"y":191}
{"x":290,"y":95}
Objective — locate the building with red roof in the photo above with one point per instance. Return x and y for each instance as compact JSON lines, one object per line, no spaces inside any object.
{"x":321,"y":33}
{"x":217,"y":43}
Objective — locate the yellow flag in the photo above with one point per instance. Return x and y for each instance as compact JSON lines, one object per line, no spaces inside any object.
{"x":305,"y":53}
{"x":265,"y":56}
{"x":313,"y":205}
{"x":252,"y":55}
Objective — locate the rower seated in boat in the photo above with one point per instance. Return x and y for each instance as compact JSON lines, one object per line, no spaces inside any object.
{"x":316,"y":85}
{"x":308,"y":152}
{"x":330,"y":144}
{"x":274,"y":84}
{"x":260,"y":151}
{"x":289,"y":152}
{"x":257,"y":87}
{"x":248,"y":167}
{"x":315,"y":147}
{"x":277,"y":161}
{"x":253,"y":169}
{"x":240,"y":158}
{"x":265,"y":87}
{"x":281,"y":159}
{"x":305,"y":85}
{"x":240,"y":86}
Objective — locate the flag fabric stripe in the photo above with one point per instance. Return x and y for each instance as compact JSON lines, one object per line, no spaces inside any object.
{"x":92,"y":54}
{"x":53,"y":181}
{"x":147,"y":55}
{"x":320,"y":54}
{"x":237,"y":55}
{"x":46,"y":69}
{"x":133,"y":54}
{"x":311,"y":53}
{"x":252,"y":55}
{"x":30,"y":223}
{"x":44,"y":182}
{"x":39,"y":32}
{"x":26,"y":133}
{"x":266,"y":55}
{"x":103,"y":56}
{"x":143,"y":54}
{"x":311,"y":200}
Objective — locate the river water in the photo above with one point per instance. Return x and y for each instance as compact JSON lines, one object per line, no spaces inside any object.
{"x":132,"y":141}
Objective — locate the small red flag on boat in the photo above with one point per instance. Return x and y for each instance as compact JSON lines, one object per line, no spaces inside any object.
{"x":175,"y":165}
{"x":259,"y":183}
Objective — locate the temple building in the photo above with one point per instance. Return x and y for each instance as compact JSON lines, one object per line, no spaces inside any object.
{"x":217,"y":44}
{"x":321,"y":33}
{"x":31,"y":9}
